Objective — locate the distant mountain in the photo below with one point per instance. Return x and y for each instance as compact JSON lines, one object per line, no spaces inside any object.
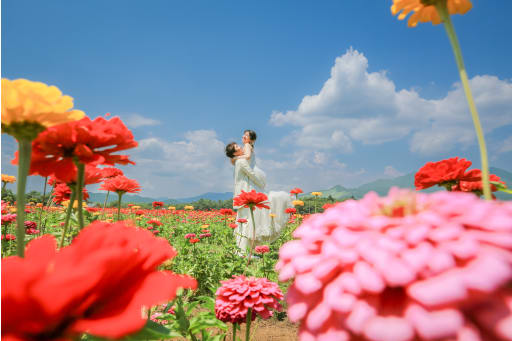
{"x":133,"y":198}
{"x":337,"y":192}
{"x":382,"y":186}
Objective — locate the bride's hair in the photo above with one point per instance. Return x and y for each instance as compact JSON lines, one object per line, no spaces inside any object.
{"x":252,"y":135}
{"x":230,"y":149}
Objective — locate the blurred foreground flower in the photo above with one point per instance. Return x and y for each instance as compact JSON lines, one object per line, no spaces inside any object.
{"x":99,"y":284}
{"x":251,"y":200}
{"x":409,"y":266}
{"x":425,"y":10}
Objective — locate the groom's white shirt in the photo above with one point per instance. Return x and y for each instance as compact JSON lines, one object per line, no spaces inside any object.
{"x":243,"y":174}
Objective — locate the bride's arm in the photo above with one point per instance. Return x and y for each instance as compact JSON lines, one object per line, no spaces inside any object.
{"x":244,"y":167}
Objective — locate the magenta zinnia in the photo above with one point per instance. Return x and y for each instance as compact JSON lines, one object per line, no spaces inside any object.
{"x":409,"y":266}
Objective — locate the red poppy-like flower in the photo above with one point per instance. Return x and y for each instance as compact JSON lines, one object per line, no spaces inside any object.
{"x":233,"y":225}
{"x":99,"y":284}
{"x":239,"y":294}
{"x":111,"y":172}
{"x":157,"y":204}
{"x":154,"y":222}
{"x":408,"y":266}
{"x":290,"y":210}
{"x":296,"y":191}
{"x":437,"y":173}
{"x":262,"y":249}
{"x":226,"y":211}
{"x":91,"y":141}
{"x":242,"y":221}
{"x":62,"y":192}
{"x":251,"y":200}
{"x":193,"y":240}
{"x":120,"y":184}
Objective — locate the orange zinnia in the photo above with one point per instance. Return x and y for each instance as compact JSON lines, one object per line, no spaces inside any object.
{"x":425,"y":10}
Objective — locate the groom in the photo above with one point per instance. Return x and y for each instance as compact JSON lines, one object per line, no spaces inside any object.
{"x":243,"y":172}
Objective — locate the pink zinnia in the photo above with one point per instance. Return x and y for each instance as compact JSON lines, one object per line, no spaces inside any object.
{"x":190,"y":235}
{"x":205,"y":235}
{"x":262,"y":249}
{"x":239,"y":294}
{"x":409,"y":266}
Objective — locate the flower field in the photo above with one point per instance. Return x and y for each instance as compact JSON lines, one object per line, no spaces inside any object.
{"x":401,"y":267}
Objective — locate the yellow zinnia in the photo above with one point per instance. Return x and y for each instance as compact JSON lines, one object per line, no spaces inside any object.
{"x":8,"y":178}
{"x":65,"y":203}
{"x":24,"y":101}
{"x":316,"y":194}
{"x":188,"y":207}
{"x":172,"y":208}
{"x":425,"y":10}
{"x":135,"y":207}
{"x":298,"y":203}
{"x":272,"y":215}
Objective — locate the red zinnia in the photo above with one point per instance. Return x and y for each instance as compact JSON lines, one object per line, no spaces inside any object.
{"x":233,"y":225}
{"x":296,"y":191}
{"x":472,"y":182}
{"x":90,"y":141}
{"x":154,"y":222}
{"x":242,"y":221}
{"x":110,"y":172}
{"x":437,"y":173}
{"x":262,"y":249}
{"x":251,"y":200}
{"x":236,"y":296}
{"x":120,"y":184}
{"x":193,"y":240}
{"x":290,"y":210}
{"x":226,"y":211}
{"x":157,"y":204}
{"x":38,"y":300}
{"x":62,"y":192}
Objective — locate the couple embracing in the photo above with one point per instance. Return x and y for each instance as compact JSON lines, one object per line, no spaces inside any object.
{"x":248,"y":177}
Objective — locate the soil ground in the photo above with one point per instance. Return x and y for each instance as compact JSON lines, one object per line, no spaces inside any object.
{"x":269,"y":330}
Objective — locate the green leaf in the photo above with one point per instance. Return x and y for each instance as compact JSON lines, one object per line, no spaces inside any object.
{"x":501,"y":187}
{"x":152,"y":331}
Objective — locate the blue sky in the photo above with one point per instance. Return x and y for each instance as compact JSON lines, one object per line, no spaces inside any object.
{"x":339,"y":92}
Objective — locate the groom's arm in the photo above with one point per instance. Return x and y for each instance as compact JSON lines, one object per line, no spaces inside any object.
{"x":244,"y":167}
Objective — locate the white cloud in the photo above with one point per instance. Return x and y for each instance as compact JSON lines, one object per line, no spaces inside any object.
{"x":506,"y":147}
{"x":362,"y":106}
{"x":135,"y":120}
{"x":392,"y":172}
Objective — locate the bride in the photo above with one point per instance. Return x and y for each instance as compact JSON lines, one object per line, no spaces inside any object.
{"x":247,"y":177}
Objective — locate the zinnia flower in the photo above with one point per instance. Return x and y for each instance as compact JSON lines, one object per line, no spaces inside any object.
{"x":298,"y":203}
{"x":28,"y":105}
{"x":425,"y":10}
{"x":262,"y":249}
{"x":157,"y":204}
{"x":226,"y":211}
{"x":316,"y":194}
{"x":190,"y":235}
{"x":8,"y":218}
{"x":99,"y":284}
{"x":193,"y":240}
{"x":443,"y":172}
{"x":233,"y":225}
{"x":239,"y":294}
{"x":8,"y":178}
{"x":120,"y":184}
{"x":409,"y":266}
{"x":296,"y":190}
{"x":242,"y":221}
{"x":251,"y":200}
{"x":62,"y":192}
{"x":189,"y":208}
{"x":89,"y":141}
{"x":290,"y":210}
{"x":111,"y":172}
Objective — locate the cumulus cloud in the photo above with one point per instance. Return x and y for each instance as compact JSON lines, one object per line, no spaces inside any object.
{"x":135,"y":120}
{"x":190,"y":166}
{"x":506,"y":147}
{"x":357,"y":105}
{"x":392,"y":172}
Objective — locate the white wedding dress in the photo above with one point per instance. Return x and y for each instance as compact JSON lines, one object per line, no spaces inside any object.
{"x":268,"y":228}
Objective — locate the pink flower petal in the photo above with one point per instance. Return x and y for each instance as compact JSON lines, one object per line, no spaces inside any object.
{"x":388,"y":329}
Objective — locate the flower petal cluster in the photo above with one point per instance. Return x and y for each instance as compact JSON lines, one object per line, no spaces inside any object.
{"x":8,"y":178}
{"x":262,"y":249}
{"x":316,"y":194}
{"x":409,"y":266}
{"x":98,"y":284}
{"x":296,"y":190}
{"x":36,"y":102}
{"x":298,"y":203}
{"x":239,"y":294}
{"x":290,"y":210}
{"x":110,"y":172}
{"x":90,"y":141}
{"x":251,"y":199}
{"x":226,"y":211}
{"x":157,"y":204}
{"x":120,"y":184}
{"x":434,"y":173}
{"x":62,"y":192}
{"x":8,"y":218}
{"x":425,"y":11}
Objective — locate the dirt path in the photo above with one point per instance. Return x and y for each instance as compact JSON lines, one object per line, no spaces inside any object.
{"x":269,"y":330}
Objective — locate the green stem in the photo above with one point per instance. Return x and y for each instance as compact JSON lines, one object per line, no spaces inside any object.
{"x":79,"y":190}
{"x":42,"y":207}
{"x":119,"y":195}
{"x":105,"y":204}
{"x":234,"y":331}
{"x":68,"y":215}
{"x":25,"y":152}
{"x":450,"y":30}
{"x":3,"y":185}
{"x":248,"y":325}
{"x":253,"y":235}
